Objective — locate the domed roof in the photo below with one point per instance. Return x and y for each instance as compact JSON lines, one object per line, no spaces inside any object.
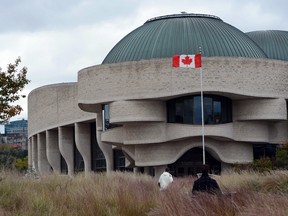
{"x":273,"y":42}
{"x":165,"y":36}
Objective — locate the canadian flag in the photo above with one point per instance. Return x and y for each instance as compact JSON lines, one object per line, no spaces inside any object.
{"x":190,"y":61}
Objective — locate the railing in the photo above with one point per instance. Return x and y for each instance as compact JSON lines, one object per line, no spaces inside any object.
{"x":182,"y":15}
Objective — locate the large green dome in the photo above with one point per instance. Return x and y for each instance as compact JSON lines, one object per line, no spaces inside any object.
{"x":273,"y":42}
{"x":165,"y":36}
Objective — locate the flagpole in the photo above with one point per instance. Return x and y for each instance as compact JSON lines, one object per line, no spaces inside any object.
{"x":176,"y":62}
{"x":202,"y":113}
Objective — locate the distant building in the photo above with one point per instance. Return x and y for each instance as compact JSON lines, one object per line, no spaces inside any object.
{"x":3,"y":139}
{"x":135,"y":110}
{"x":16,"y":133}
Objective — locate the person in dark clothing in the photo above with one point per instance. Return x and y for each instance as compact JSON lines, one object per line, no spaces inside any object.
{"x":205,"y":183}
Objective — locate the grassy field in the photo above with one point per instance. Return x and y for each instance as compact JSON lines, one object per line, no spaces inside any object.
{"x":128,"y":194}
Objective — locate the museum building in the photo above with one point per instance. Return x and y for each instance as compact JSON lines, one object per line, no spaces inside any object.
{"x":137,"y":112}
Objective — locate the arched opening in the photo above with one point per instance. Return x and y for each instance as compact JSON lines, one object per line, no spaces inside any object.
{"x":190,"y":163}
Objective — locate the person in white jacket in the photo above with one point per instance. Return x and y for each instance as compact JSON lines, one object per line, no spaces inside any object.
{"x":165,"y":179}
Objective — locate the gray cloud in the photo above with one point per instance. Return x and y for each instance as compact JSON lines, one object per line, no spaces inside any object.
{"x":35,"y":15}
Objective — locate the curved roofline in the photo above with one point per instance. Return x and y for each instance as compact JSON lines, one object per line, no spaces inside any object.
{"x":272,"y":42}
{"x":267,"y":30}
{"x":165,"y":36}
{"x":52,"y":85}
{"x":182,"y":15}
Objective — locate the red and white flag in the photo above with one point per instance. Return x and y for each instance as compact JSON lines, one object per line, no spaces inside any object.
{"x":190,"y":61}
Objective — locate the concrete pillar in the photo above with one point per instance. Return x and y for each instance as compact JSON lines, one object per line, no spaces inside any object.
{"x":105,"y":148}
{"x":43,"y":164}
{"x":83,"y":143}
{"x":34,"y":153}
{"x":30,"y":152}
{"x":159,"y":170}
{"x":52,"y":150}
{"x":136,"y":169}
{"x":66,"y":147}
{"x":147,"y":170}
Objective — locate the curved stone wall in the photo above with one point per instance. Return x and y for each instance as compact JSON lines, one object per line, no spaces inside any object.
{"x":154,"y":79}
{"x":167,"y":153}
{"x":137,"y":92}
{"x":242,"y":131}
{"x":137,"y":111}
{"x":52,"y":106}
{"x":260,"y":109}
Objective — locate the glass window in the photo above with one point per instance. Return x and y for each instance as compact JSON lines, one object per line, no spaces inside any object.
{"x":208,"y":110}
{"x":108,"y":125}
{"x":216,"y":111}
{"x":197,"y":110}
{"x":179,"y":112}
{"x":171,"y":114}
{"x":63,"y":165}
{"x":78,"y":160}
{"x":187,"y":110}
{"x":263,"y":150}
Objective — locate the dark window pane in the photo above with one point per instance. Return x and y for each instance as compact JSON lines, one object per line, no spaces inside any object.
{"x":179,"y":112}
{"x":264,"y":150}
{"x":78,"y":160}
{"x":97,"y":157}
{"x":208,"y":111}
{"x":63,"y":165}
{"x":171,"y":111}
{"x":197,"y":110}
{"x":180,"y":170}
{"x":226,"y":111}
{"x":119,"y":161}
{"x":188,"y":111}
{"x":216,"y":112}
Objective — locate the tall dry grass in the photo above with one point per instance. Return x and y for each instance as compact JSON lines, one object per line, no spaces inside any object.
{"x":245,"y":193}
{"x":99,"y":194}
{"x":128,"y":194}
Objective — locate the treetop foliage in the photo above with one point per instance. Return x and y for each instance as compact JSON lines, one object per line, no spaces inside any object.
{"x":12,"y":82}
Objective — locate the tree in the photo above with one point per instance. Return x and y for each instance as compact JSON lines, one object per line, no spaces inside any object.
{"x":22,"y":164}
{"x":12,"y":82}
{"x":11,"y":158}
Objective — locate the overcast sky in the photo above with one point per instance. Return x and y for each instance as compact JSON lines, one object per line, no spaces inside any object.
{"x":57,"y":38}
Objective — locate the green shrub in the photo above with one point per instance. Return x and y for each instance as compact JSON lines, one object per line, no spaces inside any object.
{"x":11,"y":158}
{"x":262,"y":165}
{"x":22,"y":164}
{"x":258,"y":165}
{"x":240,"y":167}
{"x":282,"y":156}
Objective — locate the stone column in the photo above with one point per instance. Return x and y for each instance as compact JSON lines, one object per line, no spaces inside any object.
{"x":30,"y":152}
{"x":136,"y":169}
{"x":147,"y":170}
{"x":83,"y":143}
{"x":43,"y":164}
{"x":34,"y":153}
{"x":105,"y":148}
{"x":66,"y":147}
{"x":52,"y":150}
{"x":159,"y":170}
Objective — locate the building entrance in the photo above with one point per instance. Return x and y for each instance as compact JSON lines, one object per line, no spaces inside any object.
{"x":190,"y":163}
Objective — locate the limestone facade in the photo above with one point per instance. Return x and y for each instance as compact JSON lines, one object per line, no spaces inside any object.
{"x":136,"y":93}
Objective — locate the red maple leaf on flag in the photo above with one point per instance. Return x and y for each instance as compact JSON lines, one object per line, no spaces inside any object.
{"x":187,"y":60}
